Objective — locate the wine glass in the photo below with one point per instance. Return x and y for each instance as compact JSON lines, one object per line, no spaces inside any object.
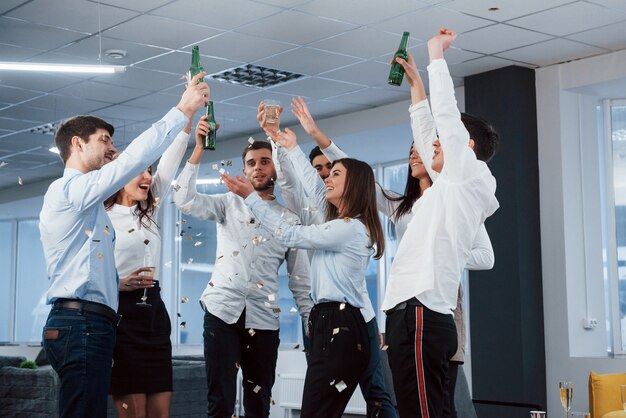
{"x":144,"y":297}
{"x":566,"y":390}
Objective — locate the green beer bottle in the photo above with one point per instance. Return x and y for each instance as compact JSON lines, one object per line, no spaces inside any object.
{"x":196,"y":67}
{"x":211,"y":138}
{"x":396,"y":74}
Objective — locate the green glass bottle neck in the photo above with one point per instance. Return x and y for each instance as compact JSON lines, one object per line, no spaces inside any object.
{"x":404,"y":41}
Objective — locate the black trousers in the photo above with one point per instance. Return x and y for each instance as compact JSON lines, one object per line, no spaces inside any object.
{"x":421,"y":343}
{"x":340,"y":351}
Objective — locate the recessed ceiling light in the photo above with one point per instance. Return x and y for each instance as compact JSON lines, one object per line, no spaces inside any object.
{"x":255,"y":76}
{"x":116,"y":54}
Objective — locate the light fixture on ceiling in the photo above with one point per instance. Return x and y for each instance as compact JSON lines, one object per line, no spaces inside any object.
{"x":62,"y":68}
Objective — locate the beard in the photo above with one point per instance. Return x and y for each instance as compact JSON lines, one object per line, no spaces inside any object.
{"x":268,"y":184}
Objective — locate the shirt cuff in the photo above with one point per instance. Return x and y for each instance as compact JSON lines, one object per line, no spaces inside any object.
{"x":175,"y":116}
{"x":439,"y":65}
{"x":419,"y":105}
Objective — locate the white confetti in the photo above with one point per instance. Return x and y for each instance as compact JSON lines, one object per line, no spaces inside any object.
{"x":341,"y":386}
{"x":259,"y":284}
{"x":168,"y":264}
{"x":235,"y":253}
{"x":293,"y":310}
{"x":20,"y":181}
{"x":342,"y":306}
{"x":267,"y":304}
{"x":251,"y":332}
{"x":335,"y":331}
{"x":184,"y":299}
{"x":197,"y":243}
{"x":222,"y":171}
{"x":215,"y":167}
{"x":190,"y":260}
{"x":251,"y":140}
{"x":271,"y":297}
{"x":256,"y":389}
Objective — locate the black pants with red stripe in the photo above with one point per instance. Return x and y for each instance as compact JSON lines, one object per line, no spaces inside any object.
{"x":421,"y":343}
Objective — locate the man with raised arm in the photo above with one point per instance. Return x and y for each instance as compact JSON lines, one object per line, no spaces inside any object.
{"x":78,"y":242}
{"x":424,"y":279}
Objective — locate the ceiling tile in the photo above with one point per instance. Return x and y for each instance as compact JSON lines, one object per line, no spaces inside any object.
{"x":109,"y":93}
{"x":252,"y":100}
{"x":249,"y":48}
{"x":34,"y":81}
{"x":327,"y":108}
{"x":498,"y":38}
{"x":420,"y":55}
{"x":280,"y":27}
{"x":150,"y":30}
{"x":90,"y":49}
{"x":178,"y":63}
{"x":16,"y":53}
{"x":374,"y":97}
{"x":363,"y":42}
{"x":224,"y":91}
{"x":316,"y":88}
{"x":129,"y":113}
{"x":480,"y":65}
{"x":283,"y":3}
{"x":368,"y":73}
{"x":138,"y":5}
{"x":155,"y":101}
{"x":64,"y":106}
{"x":426,"y":23}
{"x":77,"y":15}
{"x":36,"y":116}
{"x":7,"y":5}
{"x":354,"y":11}
{"x":16,"y":95}
{"x":202,"y":12}
{"x":550,"y":52}
{"x":145,"y":79}
{"x":507,"y":9}
{"x":307,"y":61}
{"x":12,"y":124}
{"x":581,"y":16}
{"x":609,"y":37}
{"x":611,"y":4}
{"x":30,"y":35}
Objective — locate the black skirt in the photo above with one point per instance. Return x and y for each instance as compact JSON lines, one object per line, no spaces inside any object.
{"x":143,"y":351}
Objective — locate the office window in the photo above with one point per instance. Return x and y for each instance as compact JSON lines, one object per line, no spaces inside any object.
{"x":616,"y":219}
{"x":6,"y":279}
{"x":31,"y":283}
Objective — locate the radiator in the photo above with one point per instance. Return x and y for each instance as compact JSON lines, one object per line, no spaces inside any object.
{"x":290,"y":395}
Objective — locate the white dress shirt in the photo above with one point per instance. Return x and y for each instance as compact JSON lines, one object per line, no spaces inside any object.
{"x":76,"y":232}
{"x":135,"y":245}
{"x":448,"y":216}
{"x":247,"y":258}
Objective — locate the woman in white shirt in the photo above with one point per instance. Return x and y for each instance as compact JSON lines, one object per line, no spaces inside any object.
{"x":141,"y":382}
{"x":343,"y":246}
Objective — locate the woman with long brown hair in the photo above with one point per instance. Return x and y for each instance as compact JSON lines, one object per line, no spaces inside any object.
{"x":343,"y":246}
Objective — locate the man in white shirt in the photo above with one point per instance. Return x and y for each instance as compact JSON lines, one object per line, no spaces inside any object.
{"x":241,"y":299}
{"x":424,"y":279}
{"x":78,"y":242}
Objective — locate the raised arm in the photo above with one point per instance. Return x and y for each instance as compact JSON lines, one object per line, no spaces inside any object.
{"x":169,"y":162}
{"x":481,"y":255}
{"x":453,"y":137}
{"x":300,"y":109}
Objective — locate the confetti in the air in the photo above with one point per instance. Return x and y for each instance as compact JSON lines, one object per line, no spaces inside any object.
{"x":385,"y":347}
{"x":256,"y":389}
{"x":271,"y":297}
{"x":222,"y":171}
{"x":341,"y":386}
{"x":335,"y":331}
{"x":251,"y":332}
{"x":197,"y":243}
{"x":215,"y":167}
{"x":342,"y":306}
{"x":176,"y":188}
{"x":147,"y":241}
{"x":99,"y":256}
{"x":235,"y":253}
{"x":190,"y":260}
{"x":293,"y":310}
{"x":259,"y":284}
{"x":184,"y":325}
{"x":189,"y":238}
{"x":125,"y":405}
{"x":251,"y":140}
{"x":88,"y":232}
{"x":107,"y":230}
{"x":20,"y":181}
{"x":130,"y":231}
{"x":184,"y":299}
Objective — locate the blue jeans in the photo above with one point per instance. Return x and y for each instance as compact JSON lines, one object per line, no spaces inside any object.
{"x":79,"y":346}
{"x":372,"y":382}
{"x":228,"y":347}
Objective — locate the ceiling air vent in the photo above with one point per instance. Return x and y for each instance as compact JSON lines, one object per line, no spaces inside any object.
{"x":45,"y":129}
{"x":255,"y":76}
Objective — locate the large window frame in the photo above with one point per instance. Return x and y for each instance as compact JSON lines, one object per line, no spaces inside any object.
{"x":612,"y":276}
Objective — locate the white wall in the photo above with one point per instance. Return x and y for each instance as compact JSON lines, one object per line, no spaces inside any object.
{"x":570,"y":210}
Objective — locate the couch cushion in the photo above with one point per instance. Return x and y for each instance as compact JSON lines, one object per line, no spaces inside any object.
{"x":604,"y":393}
{"x":615,"y":414}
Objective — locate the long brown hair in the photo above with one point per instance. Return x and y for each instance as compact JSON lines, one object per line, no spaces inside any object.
{"x":144,"y":210}
{"x":359,"y":201}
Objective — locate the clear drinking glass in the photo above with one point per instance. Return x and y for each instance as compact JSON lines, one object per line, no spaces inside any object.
{"x":272,"y":112}
{"x":144,"y":298}
{"x":566,"y":390}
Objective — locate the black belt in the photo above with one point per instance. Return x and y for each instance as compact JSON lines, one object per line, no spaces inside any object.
{"x":88,"y":307}
{"x":403,"y":305}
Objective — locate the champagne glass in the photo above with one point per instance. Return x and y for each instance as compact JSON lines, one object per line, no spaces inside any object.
{"x":566,"y":390}
{"x":147,"y":273}
{"x":272,"y":113}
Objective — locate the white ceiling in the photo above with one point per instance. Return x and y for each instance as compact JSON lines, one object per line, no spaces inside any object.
{"x":342,"y":47}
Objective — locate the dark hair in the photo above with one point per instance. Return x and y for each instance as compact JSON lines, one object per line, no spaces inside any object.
{"x":315,"y":152}
{"x":81,"y":126}
{"x":144,"y":210}
{"x":254,"y":146}
{"x":359,"y":201}
{"x":486,"y":138}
